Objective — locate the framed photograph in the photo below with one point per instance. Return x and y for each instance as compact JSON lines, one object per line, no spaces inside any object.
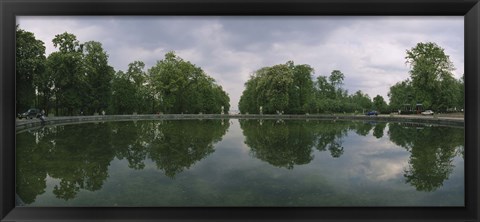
{"x":239,"y":110}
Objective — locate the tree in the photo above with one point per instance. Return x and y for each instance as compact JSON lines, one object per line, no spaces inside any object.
{"x":273,"y":88}
{"x":431,"y":75}
{"x":330,"y":95}
{"x":98,"y":77}
{"x":301,"y":96}
{"x":402,"y":96}
{"x":360,"y":101}
{"x":136,"y":74}
{"x":379,"y":104}
{"x":67,"y":72}
{"x":248,"y":99}
{"x":183,"y":87}
{"x":140,"y":80}
{"x":124,"y":100}
{"x":30,"y":62}
{"x":336,"y":80}
{"x":460,"y":102}
{"x":286,"y":88}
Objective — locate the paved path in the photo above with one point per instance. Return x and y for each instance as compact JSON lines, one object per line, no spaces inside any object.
{"x":455,"y":118}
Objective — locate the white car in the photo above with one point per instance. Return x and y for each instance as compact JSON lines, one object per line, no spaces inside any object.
{"x":427,"y":112}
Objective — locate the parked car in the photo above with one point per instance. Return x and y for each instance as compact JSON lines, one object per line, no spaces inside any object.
{"x":29,"y":114}
{"x":372,"y":113}
{"x":427,"y":112}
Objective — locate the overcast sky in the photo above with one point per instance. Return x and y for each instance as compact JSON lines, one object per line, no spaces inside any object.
{"x":370,"y":51}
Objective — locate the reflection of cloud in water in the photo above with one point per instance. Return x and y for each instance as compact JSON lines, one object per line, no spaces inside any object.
{"x":233,"y":139}
{"x":51,"y":182}
{"x":383,"y":169}
{"x":380,"y":161}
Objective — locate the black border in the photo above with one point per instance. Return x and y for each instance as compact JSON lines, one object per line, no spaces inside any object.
{"x":470,"y":9}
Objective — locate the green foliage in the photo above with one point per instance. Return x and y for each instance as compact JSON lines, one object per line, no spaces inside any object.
{"x":98,"y":77}
{"x":379,"y":104}
{"x":332,"y":98}
{"x":30,"y":63}
{"x":336,"y":79}
{"x":248,"y":99}
{"x":285,"y":88}
{"x":432,"y":83}
{"x":361,"y":102}
{"x":183,"y":87}
{"x":432,"y":78}
{"x":124,"y":95}
{"x":66,"y":42}
{"x":77,"y":79}
{"x":290,"y":89}
{"x":402,"y":96}
{"x":65,"y":68}
{"x":132,"y":91}
{"x":301,"y":96}
{"x":460,"y":100}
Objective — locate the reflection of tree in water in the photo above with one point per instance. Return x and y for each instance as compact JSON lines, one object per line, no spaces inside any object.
{"x":289,"y":143}
{"x":329,"y":136}
{"x":127,"y":140}
{"x":379,"y":129}
{"x":75,"y":156}
{"x":432,"y":151}
{"x":363,"y":128}
{"x":80,"y":159}
{"x":30,"y":177}
{"x":79,"y":155}
{"x":179,"y":144}
{"x":278,"y":143}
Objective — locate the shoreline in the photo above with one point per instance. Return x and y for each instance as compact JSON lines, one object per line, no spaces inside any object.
{"x":25,"y":124}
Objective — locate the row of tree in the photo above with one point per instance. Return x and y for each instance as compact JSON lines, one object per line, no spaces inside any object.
{"x":77,"y":79}
{"x":289,"y":88}
{"x":171,"y":86}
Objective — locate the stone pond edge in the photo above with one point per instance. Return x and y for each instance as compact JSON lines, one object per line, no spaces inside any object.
{"x":27,"y":124}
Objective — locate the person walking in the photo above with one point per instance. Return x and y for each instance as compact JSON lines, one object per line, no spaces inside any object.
{"x":42,"y":117}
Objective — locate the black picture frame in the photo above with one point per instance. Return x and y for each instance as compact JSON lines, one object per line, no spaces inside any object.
{"x":9,"y":9}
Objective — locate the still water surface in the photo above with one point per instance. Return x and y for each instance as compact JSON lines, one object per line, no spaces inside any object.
{"x":235,"y":162}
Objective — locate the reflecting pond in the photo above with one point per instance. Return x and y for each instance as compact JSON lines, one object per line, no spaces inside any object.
{"x":240,"y":162}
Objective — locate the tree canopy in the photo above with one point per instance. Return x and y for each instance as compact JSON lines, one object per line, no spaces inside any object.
{"x":431,"y":81}
{"x":284,"y":88}
{"x":77,"y":79}
{"x":290,"y":89}
{"x":30,"y":63}
{"x":186,"y":88}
